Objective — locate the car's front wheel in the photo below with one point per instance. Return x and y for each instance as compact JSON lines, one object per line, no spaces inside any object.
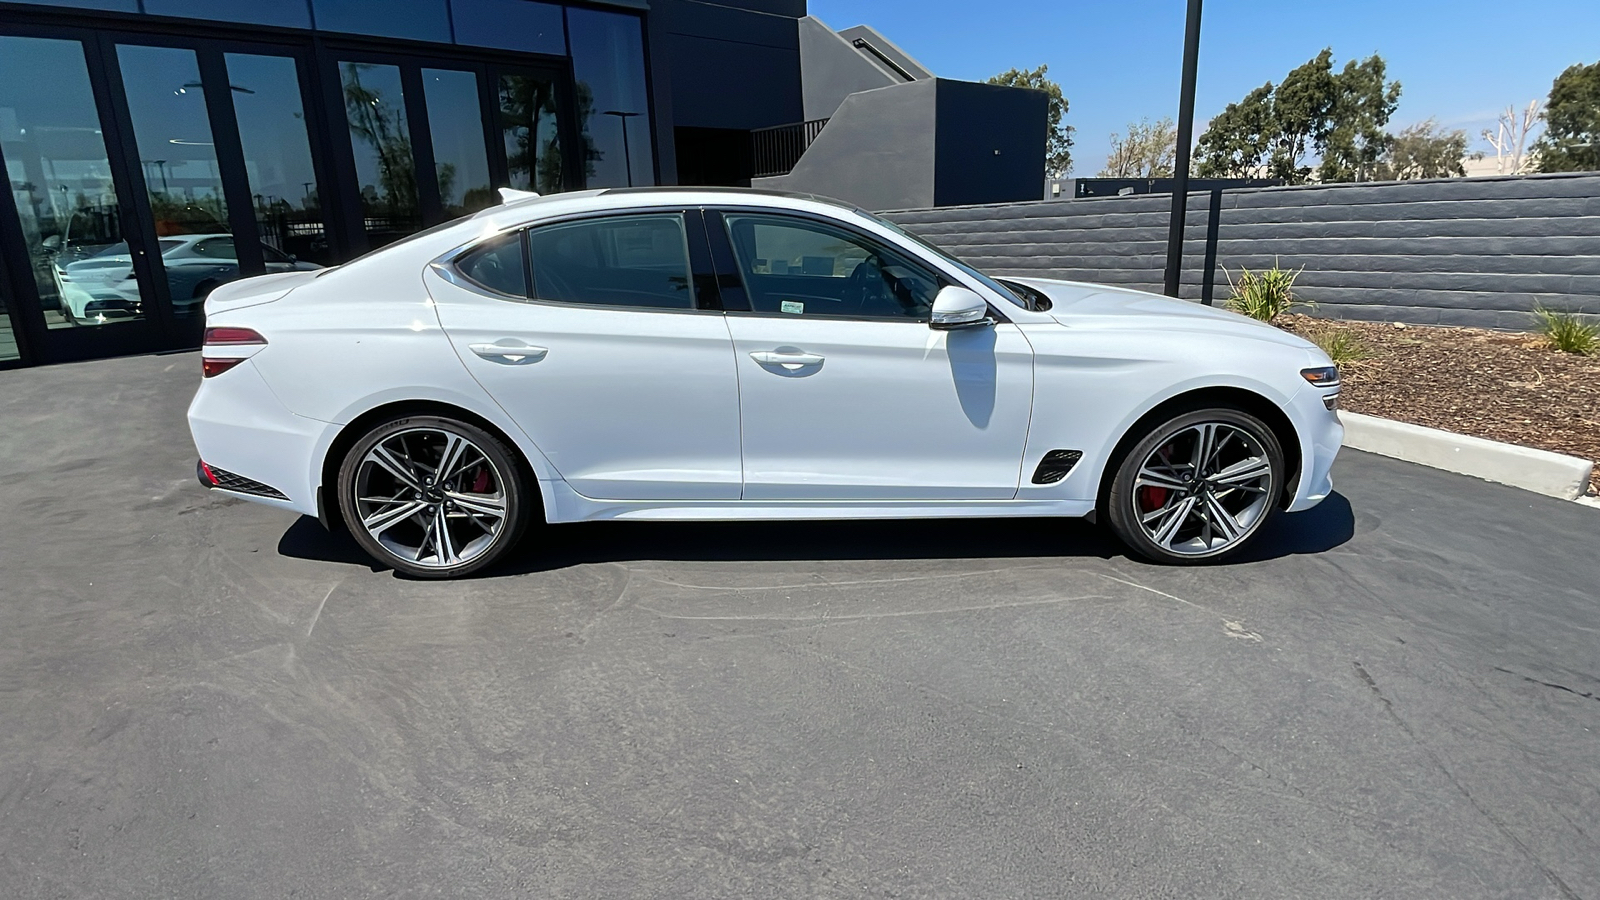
{"x":1198,"y":487}
{"x":433,"y":497}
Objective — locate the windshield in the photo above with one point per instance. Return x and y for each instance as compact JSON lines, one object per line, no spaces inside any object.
{"x":987,"y":282}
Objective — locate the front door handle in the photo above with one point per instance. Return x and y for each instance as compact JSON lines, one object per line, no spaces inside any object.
{"x":509,"y":354}
{"x":790,"y":361}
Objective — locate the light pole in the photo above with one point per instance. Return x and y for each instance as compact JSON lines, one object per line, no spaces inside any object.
{"x":627,"y":159}
{"x":1180,"y":182}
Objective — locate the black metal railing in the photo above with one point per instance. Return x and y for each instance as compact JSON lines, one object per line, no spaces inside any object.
{"x":776,"y":150}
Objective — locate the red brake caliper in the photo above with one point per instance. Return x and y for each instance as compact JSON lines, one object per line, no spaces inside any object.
{"x":1152,"y":498}
{"x":480,"y":482}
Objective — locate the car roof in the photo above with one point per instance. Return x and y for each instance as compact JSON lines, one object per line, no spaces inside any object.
{"x":531,"y":210}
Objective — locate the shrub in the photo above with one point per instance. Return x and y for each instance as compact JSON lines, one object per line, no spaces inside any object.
{"x":1341,"y":346}
{"x":1566,"y":332}
{"x":1263,"y":295}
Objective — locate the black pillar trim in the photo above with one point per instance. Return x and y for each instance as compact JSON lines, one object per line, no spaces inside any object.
{"x":341,"y":164}
{"x":1213,"y":225}
{"x":319,"y":134}
{"x":494,"y":136}
{"x":428,"y":201}
{"x":16,"y":276}
{"x":1180,"y":184}
{"x":133,"y":195}
{"x":230,"y":162}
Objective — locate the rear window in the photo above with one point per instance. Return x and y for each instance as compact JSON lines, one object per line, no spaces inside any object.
{"x":497,"y":265}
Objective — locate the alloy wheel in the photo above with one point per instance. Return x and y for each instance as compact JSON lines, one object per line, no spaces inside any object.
{"x":431,"y":497}
{"x":1204,"y":489}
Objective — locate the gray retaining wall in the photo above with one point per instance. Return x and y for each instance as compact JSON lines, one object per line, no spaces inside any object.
{"x":1469,"y":251}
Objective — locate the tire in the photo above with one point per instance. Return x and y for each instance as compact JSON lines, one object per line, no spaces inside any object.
{"x":396,"y":507}
{"x":1167,"y":513}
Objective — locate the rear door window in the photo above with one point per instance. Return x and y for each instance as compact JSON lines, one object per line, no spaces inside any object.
{"x":635,"y":261}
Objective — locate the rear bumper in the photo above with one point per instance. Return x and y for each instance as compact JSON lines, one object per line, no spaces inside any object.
{"x":244,"y":432}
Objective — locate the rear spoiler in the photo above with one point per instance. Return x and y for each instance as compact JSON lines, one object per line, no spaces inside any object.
{"x":512,"y":195}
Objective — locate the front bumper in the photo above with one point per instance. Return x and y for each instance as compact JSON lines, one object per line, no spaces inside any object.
{"x":1321,"y":436}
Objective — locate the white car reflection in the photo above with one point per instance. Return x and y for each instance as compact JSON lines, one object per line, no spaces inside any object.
{"x":102,"y":287}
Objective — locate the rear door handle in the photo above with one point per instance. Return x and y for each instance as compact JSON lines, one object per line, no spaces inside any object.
{"x":787,"y":360}
{"x":509,"y":354}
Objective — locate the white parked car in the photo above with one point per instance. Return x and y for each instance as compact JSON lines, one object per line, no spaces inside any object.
{"x":704,"y":354}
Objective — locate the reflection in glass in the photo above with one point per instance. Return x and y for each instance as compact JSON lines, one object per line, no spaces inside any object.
{"x":533,"y":145}
{"x":455,"y":117}
{"x":420,"y":20}
{"x":61,"y":181}
{"x":386,"y":173}
{"x":168,"y":109}
{"x":252,"y":12}
{"x":277,"y":156}
{"x":613,"y":107}
{"x":509,"y":25}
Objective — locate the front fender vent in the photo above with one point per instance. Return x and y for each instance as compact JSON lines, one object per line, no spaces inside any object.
{"x":1056,"y":465}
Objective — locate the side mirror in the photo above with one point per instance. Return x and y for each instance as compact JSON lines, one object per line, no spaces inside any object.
{"x":957,"y":307}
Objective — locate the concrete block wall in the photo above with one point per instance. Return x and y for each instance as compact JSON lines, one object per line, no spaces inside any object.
{"x":1478,"y":251}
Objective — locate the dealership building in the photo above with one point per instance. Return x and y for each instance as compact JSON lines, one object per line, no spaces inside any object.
{"x":158,"y":148}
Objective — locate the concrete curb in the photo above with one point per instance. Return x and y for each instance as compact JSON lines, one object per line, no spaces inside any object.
{"x":1540,"y":471}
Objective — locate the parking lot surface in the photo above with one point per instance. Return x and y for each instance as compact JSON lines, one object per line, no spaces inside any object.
{"x":1397,"y":696}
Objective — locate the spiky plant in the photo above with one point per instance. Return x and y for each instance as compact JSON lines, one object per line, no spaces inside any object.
{"x":1566,"y":332}
{"x":1264,"y":294}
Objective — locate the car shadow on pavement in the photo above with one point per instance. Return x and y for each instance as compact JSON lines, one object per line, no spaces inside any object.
{"x":548,"y":548}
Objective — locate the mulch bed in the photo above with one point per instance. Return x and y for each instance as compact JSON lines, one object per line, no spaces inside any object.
{"x":1503,"y":386}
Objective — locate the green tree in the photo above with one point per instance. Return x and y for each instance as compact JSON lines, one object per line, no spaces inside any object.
{"x":1424,"y":151}
{"x":1336,"y":118}
{"x":1571,"y":141}
{"x":1362,"y":103}
{"x":1150,"y":150}
{"x":1058,"y":139}
{"x":379,"y":122}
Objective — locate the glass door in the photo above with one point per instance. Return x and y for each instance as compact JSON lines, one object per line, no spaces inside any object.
{"x":75,"y":269}
{"x":225,"y":157}
{"x":145,"y":171}
{"x":430,"y":140}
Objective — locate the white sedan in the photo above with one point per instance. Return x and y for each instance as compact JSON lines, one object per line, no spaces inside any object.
{"x":705,"y":354}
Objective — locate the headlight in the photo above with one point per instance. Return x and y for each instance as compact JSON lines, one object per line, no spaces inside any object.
{"x":1322,"y":376}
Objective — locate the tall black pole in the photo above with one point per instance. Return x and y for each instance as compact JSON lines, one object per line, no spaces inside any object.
{"x":1180,"y":185}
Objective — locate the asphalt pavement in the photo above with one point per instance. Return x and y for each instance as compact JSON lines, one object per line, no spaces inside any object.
{"x":1397,"y":696}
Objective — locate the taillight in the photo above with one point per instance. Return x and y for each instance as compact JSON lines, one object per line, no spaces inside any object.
{"x":226,"y":346}
{"x":227,"y":334}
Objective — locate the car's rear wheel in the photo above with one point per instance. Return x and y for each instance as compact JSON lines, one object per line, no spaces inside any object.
{"x":433,"y":497}
{"x":1198,"y":487}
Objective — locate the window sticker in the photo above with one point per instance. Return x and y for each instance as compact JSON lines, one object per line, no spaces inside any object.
{"x":792,"y":306}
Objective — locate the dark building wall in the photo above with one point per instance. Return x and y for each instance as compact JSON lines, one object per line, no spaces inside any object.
{"x":833,"y":70}
{"x":926,"y":143}
{"x":732,"y":64}
{"x":876,"y":152}
{"x":1474,"y":251}
{"x":989,"y":143}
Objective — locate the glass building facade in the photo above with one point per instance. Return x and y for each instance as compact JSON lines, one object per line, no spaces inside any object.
{"x":155,"y":149}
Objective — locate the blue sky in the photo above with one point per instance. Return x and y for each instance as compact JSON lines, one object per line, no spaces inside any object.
{"x":1460,"y":61}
